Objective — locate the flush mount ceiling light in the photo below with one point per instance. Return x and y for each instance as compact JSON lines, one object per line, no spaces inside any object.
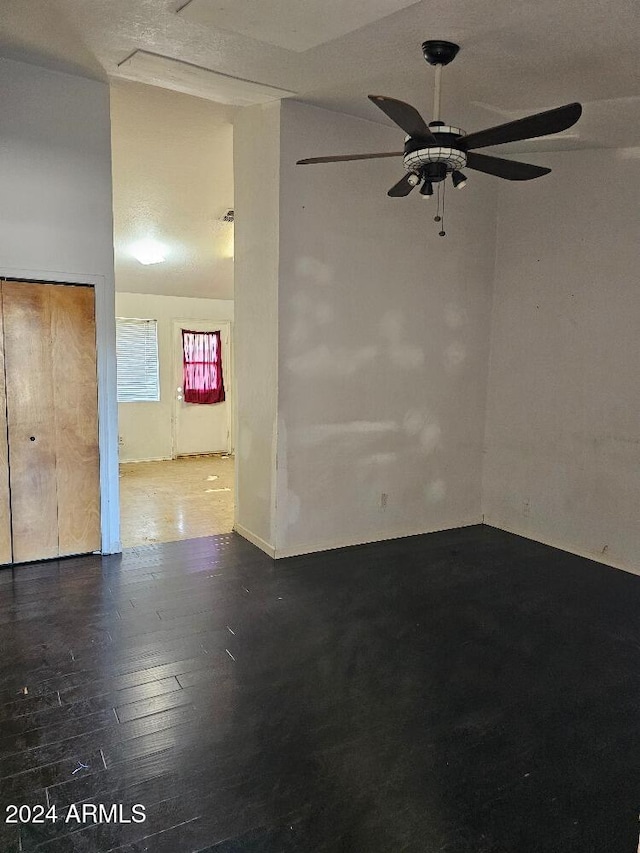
{"x":432,"y":152}
{"x":149,"y":252}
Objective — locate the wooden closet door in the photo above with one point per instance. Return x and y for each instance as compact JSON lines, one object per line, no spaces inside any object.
{"x":75,"y":393}
{"x":6,"y":553}
{"x":52,"y":414}
{"x":30,"y":420}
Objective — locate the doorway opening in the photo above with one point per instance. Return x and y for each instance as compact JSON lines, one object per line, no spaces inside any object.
{"x":174,"y":250}
{"x":190,"y":494}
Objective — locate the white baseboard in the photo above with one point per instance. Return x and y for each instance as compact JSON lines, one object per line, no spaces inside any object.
{"x":146,"y":459}
{"x":562,"y":546}
{"x":299,"y":550}
{"x":255,"y":540}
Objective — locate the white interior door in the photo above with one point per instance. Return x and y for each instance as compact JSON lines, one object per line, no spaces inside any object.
{"x":202,"y":428}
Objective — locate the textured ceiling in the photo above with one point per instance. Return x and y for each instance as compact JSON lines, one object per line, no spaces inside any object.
{"x":289,"y":23}
{"x":516,"y":57}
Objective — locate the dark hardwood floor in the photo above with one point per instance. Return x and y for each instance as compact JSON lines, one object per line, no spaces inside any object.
{"x":462,"y":692}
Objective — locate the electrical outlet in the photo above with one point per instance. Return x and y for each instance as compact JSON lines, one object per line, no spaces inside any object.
{"x":120,"y":440}
{"x":384,"y":497}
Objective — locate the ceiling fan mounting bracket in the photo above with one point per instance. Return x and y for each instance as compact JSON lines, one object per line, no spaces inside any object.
{"x":438,"y":52}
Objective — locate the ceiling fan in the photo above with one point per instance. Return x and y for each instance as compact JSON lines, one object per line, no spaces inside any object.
{"x":433,"y":151}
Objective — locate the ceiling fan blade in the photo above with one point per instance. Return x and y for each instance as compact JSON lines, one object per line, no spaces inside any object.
{"x":340,"y":158}
{"x":511,"y":170}
{"x":540,"y":124}
{"x":405,"y":116}
{"x":402,"y":188}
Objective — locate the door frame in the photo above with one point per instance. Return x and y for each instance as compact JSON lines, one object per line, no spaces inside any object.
{"x":105,"y":314}
{"x":227,"y":369}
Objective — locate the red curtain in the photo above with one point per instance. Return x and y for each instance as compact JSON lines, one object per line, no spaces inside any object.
{"x":202,"y":367}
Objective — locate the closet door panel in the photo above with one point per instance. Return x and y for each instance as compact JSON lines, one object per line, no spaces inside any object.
{"x":73,"y":358}
{"x":30,"y":420}
{"x":5,"y":504}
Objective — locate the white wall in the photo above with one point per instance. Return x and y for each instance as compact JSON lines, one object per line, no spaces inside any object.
{"x":563,"y":422}
{"x":257,"y":189}
{"x":55,"y":216}
{"x":383,"y":346}
{"x":382,"y":339}
{"x":173,"y":181}
{"x":146,"y":429}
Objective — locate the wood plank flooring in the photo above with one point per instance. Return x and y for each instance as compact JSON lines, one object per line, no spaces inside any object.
{"x":467,"y":692}
{"x":176,"y":499}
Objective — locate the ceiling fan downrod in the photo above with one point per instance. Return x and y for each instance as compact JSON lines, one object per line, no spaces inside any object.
{"x":436,"y":93}
{"x":438,"y":53}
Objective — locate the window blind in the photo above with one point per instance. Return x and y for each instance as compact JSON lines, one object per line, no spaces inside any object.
{"x":137,"y":355}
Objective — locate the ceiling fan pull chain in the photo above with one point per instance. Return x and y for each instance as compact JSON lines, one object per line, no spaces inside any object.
{"x":442,"y":233}
{"x":437,"y":217}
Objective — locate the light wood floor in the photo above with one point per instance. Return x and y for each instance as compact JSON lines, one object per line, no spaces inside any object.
{"x":178,"y":499}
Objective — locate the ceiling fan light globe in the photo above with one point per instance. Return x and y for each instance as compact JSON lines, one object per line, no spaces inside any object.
{"x":414,"y":180}
{"x":426,"y":190}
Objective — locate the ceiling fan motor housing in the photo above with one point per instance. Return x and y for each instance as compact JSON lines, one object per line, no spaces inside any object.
{"x":420,"y":159}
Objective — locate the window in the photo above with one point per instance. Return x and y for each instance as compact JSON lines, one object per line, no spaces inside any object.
{"x":202,"y":363}
{"x":137,"y":354}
